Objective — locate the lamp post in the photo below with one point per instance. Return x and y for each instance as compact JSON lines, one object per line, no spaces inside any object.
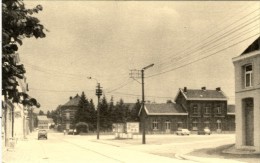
{"x":98,"y":93}
{"x":143,"y":102}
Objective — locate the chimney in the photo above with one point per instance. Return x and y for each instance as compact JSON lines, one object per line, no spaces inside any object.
{"x":70,"y":97}
{"x":185,"y":89}
{"x":218,"y":89}
{"x":203,"y":88}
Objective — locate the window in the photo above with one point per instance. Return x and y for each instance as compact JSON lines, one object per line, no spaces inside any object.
{"x":179,"y":125}
{"x":155,"y":124}
{"x":167,"y":125}
{"x":195,"y":109}
{"x":218,"y":109}
{"x":207,"y":109}
{"x":67,"y":115}
{"x":195,"y":125}
{"x":248,"y":75}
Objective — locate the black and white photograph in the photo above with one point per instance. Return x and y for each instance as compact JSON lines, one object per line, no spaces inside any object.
{"x":130,"y":81}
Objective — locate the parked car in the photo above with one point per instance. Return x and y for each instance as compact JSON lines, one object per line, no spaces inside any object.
{"x":183,"y":132}
{"x":42,"y":134}
{"x":72,"y":132}
{"x":205,"y":131}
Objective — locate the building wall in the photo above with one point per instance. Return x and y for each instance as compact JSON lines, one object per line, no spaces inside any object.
{"x":214,"y":121}
{"x":175,"y":122}
{"x":243,"y":93}
{"x":71,"y":110}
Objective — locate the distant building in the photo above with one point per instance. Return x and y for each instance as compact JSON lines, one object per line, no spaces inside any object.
{"x":247,"y":88}
{"x":194,"y":109}
{"x":43,"y":122}
{"x":206,"y":108}
{"x":68,"y":111}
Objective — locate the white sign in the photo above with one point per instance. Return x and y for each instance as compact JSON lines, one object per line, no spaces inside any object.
{"x":132,"y":127}
{"x":118,"y":127}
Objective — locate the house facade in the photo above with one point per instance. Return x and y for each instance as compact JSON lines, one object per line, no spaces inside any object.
{"x":194,"y":109}
{"x":247,"y":91}
{"x":206,"y":109}
{"x":165,"y":118}
{"x":68,"y":111}
{"x":43,"y":122}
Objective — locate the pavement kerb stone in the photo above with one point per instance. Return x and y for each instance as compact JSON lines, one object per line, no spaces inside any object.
{"x":206,"y":160}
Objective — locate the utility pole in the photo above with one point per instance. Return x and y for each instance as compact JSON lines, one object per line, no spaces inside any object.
{"x":142,"y":112}
{"x":98,"y":93}
{"x":134,"y":74}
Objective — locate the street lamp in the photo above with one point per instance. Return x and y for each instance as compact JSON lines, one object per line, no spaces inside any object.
{"x":98,"y":93}
{"x":143,"y":115}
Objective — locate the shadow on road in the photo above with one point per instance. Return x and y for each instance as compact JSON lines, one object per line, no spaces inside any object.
{"x":218,"y":153}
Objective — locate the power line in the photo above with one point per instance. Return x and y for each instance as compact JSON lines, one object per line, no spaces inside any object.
{"x":217,"y":45}
{"x":202,"y":58}
{"x":157,"y":63}
{"x":121,"y":86}
{"x":226,"y":34}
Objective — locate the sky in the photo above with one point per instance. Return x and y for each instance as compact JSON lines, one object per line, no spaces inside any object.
{"x":191,"y":44}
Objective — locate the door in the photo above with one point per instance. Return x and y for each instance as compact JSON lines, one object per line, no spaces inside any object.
{"x":167,"y":126}
{"x":249,"y":122}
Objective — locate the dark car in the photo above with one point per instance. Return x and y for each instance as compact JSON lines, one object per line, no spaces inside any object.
{"x":206,"y":131}
{"x":42,"y":134}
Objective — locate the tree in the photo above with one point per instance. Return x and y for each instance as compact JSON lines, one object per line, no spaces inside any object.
{"x":135,"y":111}
{"x":110,"y":117}
{"x":48,"y":114}
{"x":41,"y":112}
{"x":169,"y":102}
{"x":93,"y":116}
{"x":18,"y":23}
{"x":82,"y":114}
{"x":103,"y":106}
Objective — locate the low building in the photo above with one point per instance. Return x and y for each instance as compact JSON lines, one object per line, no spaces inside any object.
{"x":165,"y":118}
{"x":194,"y":109}
{"x":247,"y":89}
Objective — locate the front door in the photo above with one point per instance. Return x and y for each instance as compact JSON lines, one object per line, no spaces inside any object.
{"x":249,"y":122}
{"x":167,"y":126}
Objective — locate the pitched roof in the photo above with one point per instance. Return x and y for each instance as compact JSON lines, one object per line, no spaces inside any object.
{"x":199,"y":94}
{"x":73,"y":102}
{"x":42,"y":118}
{"x":231,"y":109}
{"x":164,"y":109}
{"x":253,"y":47}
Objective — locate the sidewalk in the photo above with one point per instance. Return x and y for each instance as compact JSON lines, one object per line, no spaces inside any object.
{"x":21,"y":152}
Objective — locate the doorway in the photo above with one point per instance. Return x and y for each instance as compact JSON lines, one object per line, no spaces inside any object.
{"x":249,"y":121}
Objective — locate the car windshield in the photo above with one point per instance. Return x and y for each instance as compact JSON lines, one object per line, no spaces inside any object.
{"x":42,"y":131}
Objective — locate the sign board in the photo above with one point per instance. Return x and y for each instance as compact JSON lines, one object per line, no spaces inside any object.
{"x":132,"y":127}
{"x":118,"y":127}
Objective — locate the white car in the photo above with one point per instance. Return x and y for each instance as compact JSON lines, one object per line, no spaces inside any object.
{"x":183,"y":132}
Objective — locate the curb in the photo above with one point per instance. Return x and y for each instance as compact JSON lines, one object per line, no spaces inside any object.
{"x":206,"y":160}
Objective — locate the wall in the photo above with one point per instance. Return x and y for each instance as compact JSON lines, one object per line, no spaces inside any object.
{"x":251,"y":92}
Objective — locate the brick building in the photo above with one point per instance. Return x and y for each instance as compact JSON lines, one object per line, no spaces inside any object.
{"x":247,"y":89}
{"x":194,"y":109}
{"x":68,"y":111}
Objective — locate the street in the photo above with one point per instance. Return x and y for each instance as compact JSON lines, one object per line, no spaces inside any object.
{"x":77,"y":148}
{"x":69,"y":148}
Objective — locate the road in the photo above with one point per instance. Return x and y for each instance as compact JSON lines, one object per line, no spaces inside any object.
{"x":68,"y":148}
